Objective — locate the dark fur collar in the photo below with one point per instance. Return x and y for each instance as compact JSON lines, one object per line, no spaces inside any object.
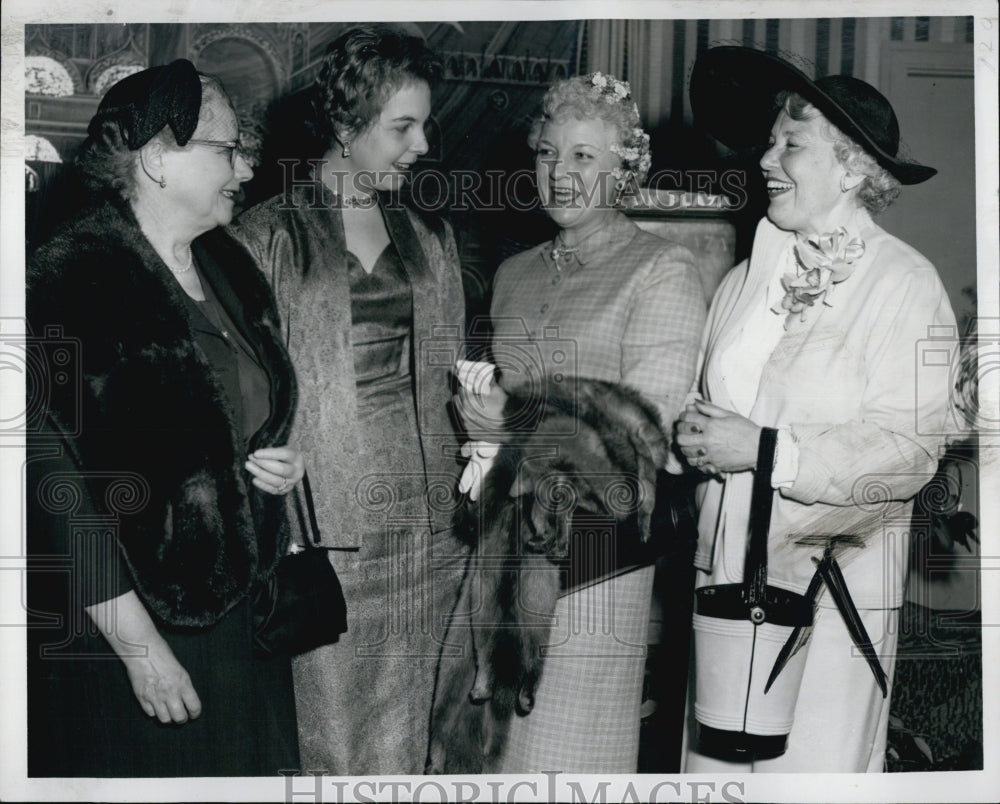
{"x":143,"y":399}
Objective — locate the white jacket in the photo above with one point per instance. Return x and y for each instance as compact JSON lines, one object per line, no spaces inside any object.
{"x":864,"y":385}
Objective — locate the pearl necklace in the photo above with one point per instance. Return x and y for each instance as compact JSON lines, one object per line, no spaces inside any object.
{"x":354,"y":201}
{"x":339,"y":181}
{"x":187,"y":267}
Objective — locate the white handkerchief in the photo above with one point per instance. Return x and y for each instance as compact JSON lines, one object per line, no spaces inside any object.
{"x":476,"y":376}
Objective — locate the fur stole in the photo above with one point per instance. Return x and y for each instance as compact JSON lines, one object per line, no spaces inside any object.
{"x":592,"y":449}
{"x":142,"y":398}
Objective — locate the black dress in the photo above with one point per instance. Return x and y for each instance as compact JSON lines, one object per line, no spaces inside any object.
{"x":84,"y":719}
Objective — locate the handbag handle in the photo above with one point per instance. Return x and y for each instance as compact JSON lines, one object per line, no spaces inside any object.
{"x":761,"y":499}
{"x":311,"y":509}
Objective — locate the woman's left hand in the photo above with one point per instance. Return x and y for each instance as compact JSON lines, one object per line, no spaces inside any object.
{"x":276,"y":470}
{"x":716,"y":440}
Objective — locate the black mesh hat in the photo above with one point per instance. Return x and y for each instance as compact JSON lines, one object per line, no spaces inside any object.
{"x":144,"y":103}
{"x":733,"y":90}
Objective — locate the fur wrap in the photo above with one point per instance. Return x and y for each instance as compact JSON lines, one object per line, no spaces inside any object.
{"x":593,"y":448}
{"x":142,"y":398}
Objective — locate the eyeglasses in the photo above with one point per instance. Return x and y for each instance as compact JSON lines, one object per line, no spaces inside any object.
{"x":233,"y":146}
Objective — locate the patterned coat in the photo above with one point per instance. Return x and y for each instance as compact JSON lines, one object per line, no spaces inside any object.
{"x":627,"y":309}
{"x":364,"y":703}
{"x":285,"y":235}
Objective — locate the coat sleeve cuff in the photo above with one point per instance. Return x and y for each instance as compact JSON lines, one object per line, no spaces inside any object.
{"x":786,"y":460}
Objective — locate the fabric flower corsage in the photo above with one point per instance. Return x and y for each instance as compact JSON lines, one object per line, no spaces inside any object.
{"x":824,"y":261}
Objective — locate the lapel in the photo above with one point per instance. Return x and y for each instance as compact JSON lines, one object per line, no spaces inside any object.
{"x":322,"y":215}
{"x":242,"y":291}
{"x":315,"y":294}
{"x":418,"y":271}
{"x":404,"y":237}
{"x":210,"y":262}
{"x":769,"y":242}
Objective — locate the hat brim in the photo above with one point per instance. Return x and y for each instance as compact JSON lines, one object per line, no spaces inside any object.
{"x":732,"y":97}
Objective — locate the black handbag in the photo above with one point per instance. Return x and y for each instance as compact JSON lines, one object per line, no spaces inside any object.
{"x":301,"y":606}
{"x":600,"y":548}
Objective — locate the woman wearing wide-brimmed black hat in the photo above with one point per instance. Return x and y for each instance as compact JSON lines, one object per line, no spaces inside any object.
{"x":809,"y":374}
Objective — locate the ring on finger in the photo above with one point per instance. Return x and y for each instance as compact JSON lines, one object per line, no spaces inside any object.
{"x":284,"y":484}
{"x":701,"y":452}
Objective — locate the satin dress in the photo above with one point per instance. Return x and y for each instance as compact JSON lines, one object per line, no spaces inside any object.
{"x":367,"y":698}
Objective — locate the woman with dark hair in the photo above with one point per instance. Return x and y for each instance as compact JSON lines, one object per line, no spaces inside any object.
{"x":372,"y":299}
{"x":169,"y":430}
{"x":811,"y":404}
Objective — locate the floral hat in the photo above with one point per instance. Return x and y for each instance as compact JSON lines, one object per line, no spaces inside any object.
{"x":634,"y":150}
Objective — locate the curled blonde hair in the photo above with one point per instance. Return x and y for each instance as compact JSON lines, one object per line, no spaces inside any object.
{"x":597,"y":96}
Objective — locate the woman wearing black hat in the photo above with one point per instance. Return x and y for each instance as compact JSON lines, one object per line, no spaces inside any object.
{"x":167,"y":429}
{"x":810,"y":360}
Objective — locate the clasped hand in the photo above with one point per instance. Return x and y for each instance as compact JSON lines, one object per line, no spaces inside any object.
{"x":276,"y":470}
{"x":715,"y":440}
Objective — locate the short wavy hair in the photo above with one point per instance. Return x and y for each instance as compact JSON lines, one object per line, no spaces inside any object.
{"x":105,"y":163}
{"x":879,"y":188}
{"x":362,"y":69}
{"x":598,"y":97}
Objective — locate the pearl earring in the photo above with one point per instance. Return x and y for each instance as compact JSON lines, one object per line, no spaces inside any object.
{"x":347,"y":150}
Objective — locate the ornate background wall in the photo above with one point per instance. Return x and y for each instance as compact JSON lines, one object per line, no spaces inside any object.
{"x":500,"y":68}
{"x":496,"y":73}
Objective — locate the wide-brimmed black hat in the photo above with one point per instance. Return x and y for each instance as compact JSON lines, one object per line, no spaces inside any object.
{"x":144,"y":103}
{"x":733,"y":91}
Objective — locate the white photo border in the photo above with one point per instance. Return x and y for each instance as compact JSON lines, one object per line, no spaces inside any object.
{"x":901,"y":787}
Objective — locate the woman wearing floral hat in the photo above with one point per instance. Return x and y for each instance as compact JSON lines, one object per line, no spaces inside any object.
{"x":604,"y":300}
{"x":809,"y":371}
